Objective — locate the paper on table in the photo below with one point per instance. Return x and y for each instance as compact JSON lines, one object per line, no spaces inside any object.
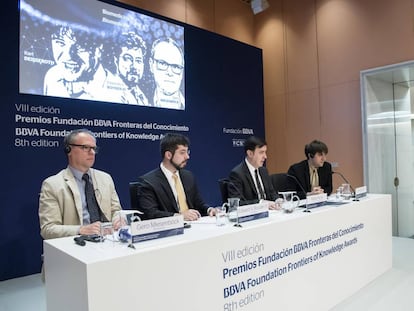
{"x":204,"y":220}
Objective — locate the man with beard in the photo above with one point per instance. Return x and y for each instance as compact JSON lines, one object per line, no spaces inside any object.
{"x":170,"y":189}
{"x":129,"y":62}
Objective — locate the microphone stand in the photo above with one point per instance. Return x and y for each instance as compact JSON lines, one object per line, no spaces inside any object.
{"x":350,"y":186}
{"x":306,"y":210}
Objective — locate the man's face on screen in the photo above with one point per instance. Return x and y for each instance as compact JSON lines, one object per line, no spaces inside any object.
{"x":130,"y":65}
{"x":73,"y":60}
{"x":167,"y":67}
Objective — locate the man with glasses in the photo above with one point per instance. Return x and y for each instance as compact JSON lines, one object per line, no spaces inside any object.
{"x":170,"y":189}
{"x":66,"y":207}
{"x":167,"y":66}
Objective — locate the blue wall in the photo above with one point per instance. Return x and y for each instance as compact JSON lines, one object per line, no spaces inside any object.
{"x":224,"y":90}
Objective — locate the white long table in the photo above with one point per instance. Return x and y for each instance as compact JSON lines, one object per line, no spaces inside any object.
{"x":298,"y":261}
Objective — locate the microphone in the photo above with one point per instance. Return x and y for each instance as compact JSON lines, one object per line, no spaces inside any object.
{"x":80,"y":240}
{"x":350,"y":186}
{"x":298,"y":183}
{"x":228,"y":182}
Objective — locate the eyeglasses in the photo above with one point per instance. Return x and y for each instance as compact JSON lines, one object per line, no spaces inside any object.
{"x":87,"y":148}
{"x":163,"y":66}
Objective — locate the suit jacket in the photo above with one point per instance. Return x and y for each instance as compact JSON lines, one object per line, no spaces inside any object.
{"x":156,"y":198}
{"x":242,"y":186}
{"x":60,"y":205}
{"x":301,"y":172}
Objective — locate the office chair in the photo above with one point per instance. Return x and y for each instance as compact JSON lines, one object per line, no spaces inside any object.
{"x":223,"y":189}
{"x":279,"y":182}
{"x":133,"y":194}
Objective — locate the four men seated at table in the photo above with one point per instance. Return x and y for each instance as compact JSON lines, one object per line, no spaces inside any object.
{"x":78,"y":198}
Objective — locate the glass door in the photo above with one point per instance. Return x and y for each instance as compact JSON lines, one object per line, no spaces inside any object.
{"x":388,"y":140}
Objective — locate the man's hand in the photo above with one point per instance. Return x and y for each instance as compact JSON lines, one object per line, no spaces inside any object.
{"x":118,"y":222}
{"x":191,"y":214}
{"x":317,"y":190}
{"x":273,"y":205}
{"x":94,"y":228}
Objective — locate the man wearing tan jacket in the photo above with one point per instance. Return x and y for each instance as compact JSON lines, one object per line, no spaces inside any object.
{"x":63,"y":205}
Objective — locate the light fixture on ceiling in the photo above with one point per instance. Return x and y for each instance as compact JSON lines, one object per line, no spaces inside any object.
{"x":259,"y":6}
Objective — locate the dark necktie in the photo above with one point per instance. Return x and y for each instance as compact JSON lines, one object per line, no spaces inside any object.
{"x":91,"y":202}
{"x":259,"y":185}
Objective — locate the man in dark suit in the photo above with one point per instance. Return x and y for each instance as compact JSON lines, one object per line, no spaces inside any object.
{"x":314,"y":174}
{"x":170,"y":189}
{"x":250,"y":180}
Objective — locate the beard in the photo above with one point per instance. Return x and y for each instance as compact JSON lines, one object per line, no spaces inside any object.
{"x":178,"y":166}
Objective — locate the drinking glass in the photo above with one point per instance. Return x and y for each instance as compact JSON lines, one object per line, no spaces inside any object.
{"x":106,"y":229}
{"x":339,"y":192}
{"x":346,"y":192}
{"x":221,"y":215}
{"x":290,"y":201}
{"x":232,"y":205}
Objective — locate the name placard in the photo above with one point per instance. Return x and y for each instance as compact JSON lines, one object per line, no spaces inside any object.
{"x":360,"y":192}
{"x":252,"y":211}
{"x":156,"y":228}
{"x":315,"y":200}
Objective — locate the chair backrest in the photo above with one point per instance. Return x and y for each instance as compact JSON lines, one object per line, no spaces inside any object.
{"x":279,"y":182}
{"x":133,"y":194}
{"x":223,"y":189}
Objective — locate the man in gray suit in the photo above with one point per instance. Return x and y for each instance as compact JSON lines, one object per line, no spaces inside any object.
{"x":63,"y":204}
